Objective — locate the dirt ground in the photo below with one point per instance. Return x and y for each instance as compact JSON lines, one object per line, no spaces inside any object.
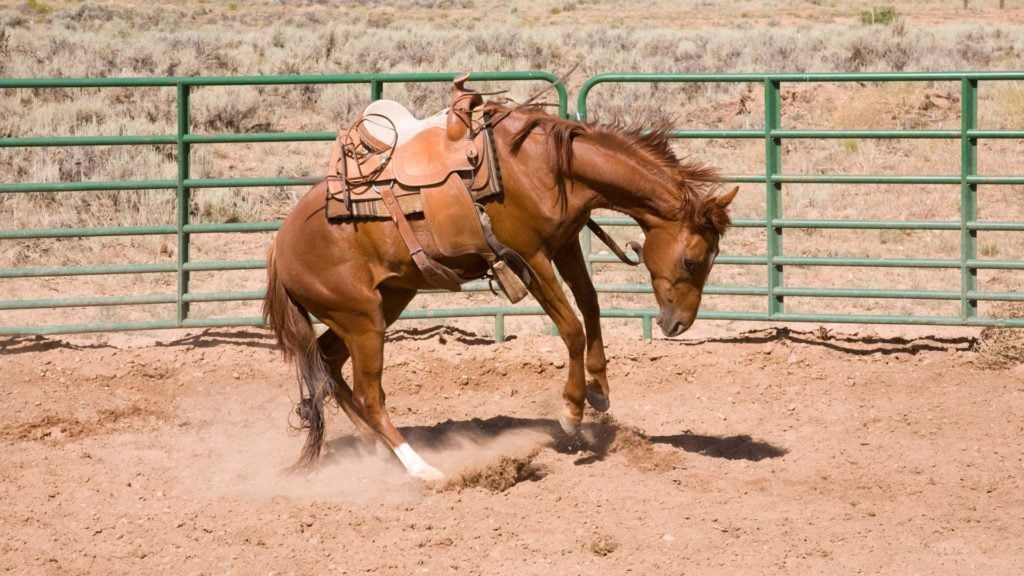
{"x":733,"y":451}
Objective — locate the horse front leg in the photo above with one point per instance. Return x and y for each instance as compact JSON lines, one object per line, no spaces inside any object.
{"x":549,"y":294}
{"x":573,"y":268}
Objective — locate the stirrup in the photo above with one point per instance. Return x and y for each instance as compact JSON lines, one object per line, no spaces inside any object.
{"x":509,"y":283}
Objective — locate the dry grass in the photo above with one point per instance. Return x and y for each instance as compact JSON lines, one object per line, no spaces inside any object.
{"x":125,"y":38}
{"x":1000,"y":348}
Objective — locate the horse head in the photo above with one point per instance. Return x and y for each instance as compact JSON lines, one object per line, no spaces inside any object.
{"x":679,"y":253}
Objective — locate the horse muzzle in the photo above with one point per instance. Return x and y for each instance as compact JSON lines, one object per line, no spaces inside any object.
{"x":672,"y":324}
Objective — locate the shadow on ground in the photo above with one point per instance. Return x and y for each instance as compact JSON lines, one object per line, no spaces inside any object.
{"x":597,"y":437}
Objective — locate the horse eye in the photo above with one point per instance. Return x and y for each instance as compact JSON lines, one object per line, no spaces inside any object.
{"x":690,"y":265}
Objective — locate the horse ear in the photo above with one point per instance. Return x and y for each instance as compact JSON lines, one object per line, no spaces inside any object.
{"x":724,"y":200}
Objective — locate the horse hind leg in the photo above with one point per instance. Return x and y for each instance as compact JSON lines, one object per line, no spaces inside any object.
{"x":335,"y":354}
{"x":394,"y":302}
{"x":367,"y":348}
{"x":364,"y":339}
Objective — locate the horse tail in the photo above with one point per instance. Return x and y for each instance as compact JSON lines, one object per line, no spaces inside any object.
{"x":298,"y":342}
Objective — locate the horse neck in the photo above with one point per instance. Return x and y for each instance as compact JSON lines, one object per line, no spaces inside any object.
{"x":591,"y":170}
{"x":624,"y":181}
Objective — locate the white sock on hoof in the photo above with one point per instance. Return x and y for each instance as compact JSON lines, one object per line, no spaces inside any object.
{"x":415,"y":465}
{"x":569,"y":426}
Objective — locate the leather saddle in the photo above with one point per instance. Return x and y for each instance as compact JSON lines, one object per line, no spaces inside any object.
{"x":389,"y":164}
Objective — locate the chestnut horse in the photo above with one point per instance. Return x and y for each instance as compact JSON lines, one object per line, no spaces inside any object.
{"x":358,"y":277}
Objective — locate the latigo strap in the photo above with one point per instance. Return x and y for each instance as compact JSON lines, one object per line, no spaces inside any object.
{"x":435,"y":273}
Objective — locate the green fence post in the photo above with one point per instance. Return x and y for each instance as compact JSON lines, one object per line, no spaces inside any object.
{"x":376,"y":89}
{"x":183,"y":200}
{"x":499,"y":328}
{"x":968,"y":196}
{"x":773,"y":192}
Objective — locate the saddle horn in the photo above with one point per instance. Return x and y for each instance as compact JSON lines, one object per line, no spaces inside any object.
{"x":464,"y":100}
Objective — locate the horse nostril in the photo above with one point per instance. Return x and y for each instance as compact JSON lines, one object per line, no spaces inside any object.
{"x":674,"y":329}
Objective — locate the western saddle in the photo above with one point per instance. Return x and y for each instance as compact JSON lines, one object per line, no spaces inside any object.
{"x":389,"y":164}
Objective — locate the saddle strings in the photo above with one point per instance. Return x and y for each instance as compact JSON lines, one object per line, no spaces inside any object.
{"x":351,"y":149}
{"x":502,"y":114}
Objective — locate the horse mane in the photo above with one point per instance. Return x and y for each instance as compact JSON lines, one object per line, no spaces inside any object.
{"x":694,"y":183}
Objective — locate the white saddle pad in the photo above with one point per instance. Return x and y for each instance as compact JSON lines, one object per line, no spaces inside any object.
{"x":391,"y":122}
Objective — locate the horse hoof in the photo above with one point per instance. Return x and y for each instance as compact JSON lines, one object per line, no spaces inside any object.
{"x":416,"y":466}
{"x":598,"y":401}
{"x":570,"y":425}
{"x":428,"y":474}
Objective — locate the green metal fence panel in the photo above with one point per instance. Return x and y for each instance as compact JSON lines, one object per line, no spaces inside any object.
{"x":774,"y":261}
{"x":183,"y":186}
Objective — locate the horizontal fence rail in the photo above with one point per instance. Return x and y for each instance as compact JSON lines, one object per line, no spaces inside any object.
{"x":773,"y":260}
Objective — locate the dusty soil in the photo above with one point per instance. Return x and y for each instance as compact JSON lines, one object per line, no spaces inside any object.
{"x":743,"y":452}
